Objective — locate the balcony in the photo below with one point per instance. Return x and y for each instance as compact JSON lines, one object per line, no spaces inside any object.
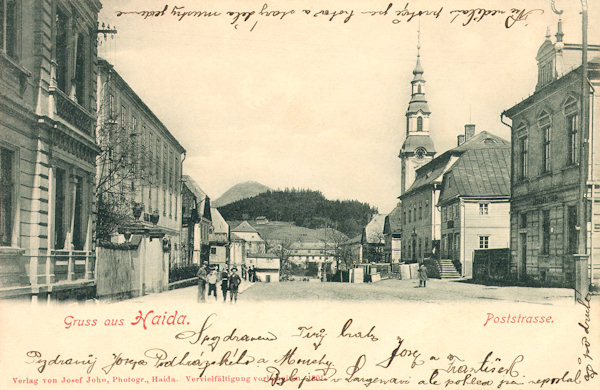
{"x":73,"y":113}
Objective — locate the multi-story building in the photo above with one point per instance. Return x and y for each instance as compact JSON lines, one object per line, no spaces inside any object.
{"x":148,"y":178}
{"x":196,"y":224}
{"x":47,"y":147}
{"x":547,"y":175}
{"x":474,"y":202}
{"x":219,"y":239}
{"x":421,"y":218}
{"x":244,"y":239}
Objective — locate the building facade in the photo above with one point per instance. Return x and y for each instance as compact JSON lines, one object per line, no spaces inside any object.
{"x":546,"y":170}
{"x":140,"y":169}
{"x":373,"y":240}
{"x":474,"y":204}
{"x":47,"y":148}
{"x":196,"y":223}
{"x":219,"y":239}
{"x":392,"y":231}
{"x":244,"y":239}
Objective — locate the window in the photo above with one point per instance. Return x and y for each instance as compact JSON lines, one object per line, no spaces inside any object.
{"x":404,"y":217}
{"x":420,"y":212}
{"x":522,"y":174}
{"x":484,"y":242}
{"x":61,"y":51}
{"x":545,"y":232}
{"x":571,"y":116}
{"x":59,"y":208}
{"x":81,"y":69}
{"x":544,"y":123}
{"x":523,"y":221}
{"x":8,"y":27}
{"x":483,"y":208}
{"x":124,"y":117}
{"x":111,"y":106}
{"x":572,"y":229}
{"x":419,"y":123}
{"x":7,"y":188}
{"x":213,"y":251}
{"x":409,"y":216}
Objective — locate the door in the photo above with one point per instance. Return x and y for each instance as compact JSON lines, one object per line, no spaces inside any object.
{"x":523,"y":255}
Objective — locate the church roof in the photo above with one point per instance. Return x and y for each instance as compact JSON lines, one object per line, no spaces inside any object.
{"x":418,"y":103}
{"x":412,"y":142}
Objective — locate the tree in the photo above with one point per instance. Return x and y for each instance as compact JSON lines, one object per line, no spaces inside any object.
{"x":117,"y":167}
{"x":282,"y":248}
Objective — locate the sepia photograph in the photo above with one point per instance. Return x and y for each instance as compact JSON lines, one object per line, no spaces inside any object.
{"x":303,"y":194}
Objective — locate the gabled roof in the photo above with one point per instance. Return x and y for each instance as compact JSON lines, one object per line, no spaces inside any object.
{"x":393,"y":221}
{"x":244,"y":227}
{"x":193,"y":187}
{"x":218,"y":222}
{"x":478,"y":172}
{"x":373,"y":232}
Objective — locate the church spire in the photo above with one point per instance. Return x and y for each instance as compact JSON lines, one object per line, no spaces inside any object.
{"x":418,"y":111}
{"x":418,"y":146}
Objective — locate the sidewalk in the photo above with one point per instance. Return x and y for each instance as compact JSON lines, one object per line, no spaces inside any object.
{"x":185,"y":294}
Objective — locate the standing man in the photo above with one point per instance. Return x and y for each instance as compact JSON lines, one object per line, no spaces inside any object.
{"x":201,"y":283}
{"x":212,"y":283}
{"x":422,"y":275}
{"x":234,"y":284}
{"x":224,"y":283}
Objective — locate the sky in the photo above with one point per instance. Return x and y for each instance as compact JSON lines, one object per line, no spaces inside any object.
{"x":299,"y":100}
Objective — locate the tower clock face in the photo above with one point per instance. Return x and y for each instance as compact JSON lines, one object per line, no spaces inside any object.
{"x":420,"y":153}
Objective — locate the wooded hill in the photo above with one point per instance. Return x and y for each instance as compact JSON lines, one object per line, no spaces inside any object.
{"x":305,"y":208}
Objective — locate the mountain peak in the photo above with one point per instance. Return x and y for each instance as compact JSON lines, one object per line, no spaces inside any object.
{"x":240,"y":191}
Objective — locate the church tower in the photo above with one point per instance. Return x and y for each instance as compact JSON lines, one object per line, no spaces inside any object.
{"x":418,"y":147}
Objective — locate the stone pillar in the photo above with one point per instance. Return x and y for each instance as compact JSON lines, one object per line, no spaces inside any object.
{"x":582,"y":282}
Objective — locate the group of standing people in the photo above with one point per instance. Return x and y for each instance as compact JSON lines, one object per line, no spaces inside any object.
{"x":228,"y":281}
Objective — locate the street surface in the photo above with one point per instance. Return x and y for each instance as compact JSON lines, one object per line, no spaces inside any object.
{"x":385,"y":290}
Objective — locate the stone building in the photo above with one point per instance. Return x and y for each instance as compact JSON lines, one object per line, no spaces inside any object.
{"x":546,"y":170}
{"x":148,"y":182}
{"x":196,"y":223}
{"x":47,"y":147}
{"x":392,"y":231}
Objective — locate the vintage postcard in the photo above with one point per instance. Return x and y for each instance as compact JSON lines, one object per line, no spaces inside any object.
{"x":299,"y":194}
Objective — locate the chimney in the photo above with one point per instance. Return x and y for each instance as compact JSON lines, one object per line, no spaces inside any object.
{"x":461,"y":139}
{"x":469,"y":131}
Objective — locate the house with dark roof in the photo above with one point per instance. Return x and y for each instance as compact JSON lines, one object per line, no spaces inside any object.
{"x":218,"y":238}
{"x":474,"y":204}
{"x":421,"y":219}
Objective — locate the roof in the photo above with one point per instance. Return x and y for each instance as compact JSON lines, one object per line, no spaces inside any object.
{"x":193,"y":187}
{"x":478,"y":172}
{"x":263,"y":255}
{"x":374,"y":230}
{"x":244,"y":227}
{"x":354,"y":241}
{"x":412,"y":142}
{"x":218,"y":222}
{"x":432,"y":172}
{"x":394,"y":220}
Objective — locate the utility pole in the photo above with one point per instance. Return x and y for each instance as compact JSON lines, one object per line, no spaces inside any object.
{"x":582,"y":257}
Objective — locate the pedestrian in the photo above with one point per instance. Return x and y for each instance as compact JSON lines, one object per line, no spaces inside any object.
{"x":224,"y":283}
{"x":422,"y":276}
{"x":234,"y":284}
{"x":212,"y":283}
{"x":201,"y":283}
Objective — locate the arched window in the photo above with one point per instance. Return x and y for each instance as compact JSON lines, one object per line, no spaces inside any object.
{"x":572,"y":118}
{"x":419,"y":123}
{"x":419,"y":88}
